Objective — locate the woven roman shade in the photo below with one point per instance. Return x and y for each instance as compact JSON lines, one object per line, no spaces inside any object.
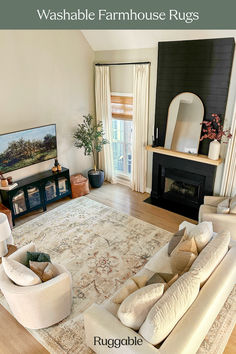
{"x":122,"y":107}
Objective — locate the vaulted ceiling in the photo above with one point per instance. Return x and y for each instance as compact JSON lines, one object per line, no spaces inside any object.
{"x":135,"y":39}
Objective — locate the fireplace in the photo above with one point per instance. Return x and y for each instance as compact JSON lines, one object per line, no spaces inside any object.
{"x":179,"y":185}
{"x":185,"y":187}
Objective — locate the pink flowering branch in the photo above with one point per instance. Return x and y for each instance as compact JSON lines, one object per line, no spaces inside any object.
{"x":214,"y":130}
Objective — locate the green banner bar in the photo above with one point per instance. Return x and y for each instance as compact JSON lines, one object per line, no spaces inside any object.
{"x":122,"y":14}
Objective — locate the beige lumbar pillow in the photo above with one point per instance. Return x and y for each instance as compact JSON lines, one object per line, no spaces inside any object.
{"x":140,"y":280}
{"x":223,"y":207}
{"x":202,"y":233}
{"x":183,"y":256}
{"x":233,"y":205}
{"x":19,"y":273}
{"x":167,"y":311}
{"x":211,"y":256}
{"x":45,"y":270}
{"x":129,"y":287}
{"x":135,"y":307}
{"x":178,"y":237}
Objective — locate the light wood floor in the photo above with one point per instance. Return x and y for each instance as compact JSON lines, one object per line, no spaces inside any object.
{"x":14,"y":339}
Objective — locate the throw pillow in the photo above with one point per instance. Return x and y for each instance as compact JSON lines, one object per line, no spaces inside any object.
{"x":37,"y":257}
{"x":163,"y":278}
{"x":168,"y":310}
{"x":223,"y":207}
{"x":140,"y":280}
{"x":49,"y":272}
{"x":135,"y":307}
{"x":176,"y":239}
{"x":19,"y":273}
{"x":156,"y":278}
{"x":44,"y":270}
{"x":38,"y":267}
{"x":202,"y":234}
{"x":233,"y":205}
{"x":171,"y":281}
{"x":183,"y":256}
{"x":128,"y":288}
{"x":211,"y":256}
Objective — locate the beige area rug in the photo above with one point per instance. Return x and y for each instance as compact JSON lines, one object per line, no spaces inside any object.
{"x":101,"y":247}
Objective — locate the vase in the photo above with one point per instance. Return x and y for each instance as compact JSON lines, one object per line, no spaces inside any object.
{"x":214,"y":150}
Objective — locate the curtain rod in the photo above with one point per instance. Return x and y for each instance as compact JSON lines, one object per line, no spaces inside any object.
{"x":136,"y":63}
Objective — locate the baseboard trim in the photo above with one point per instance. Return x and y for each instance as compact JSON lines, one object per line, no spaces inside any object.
{"x":148,"y":190}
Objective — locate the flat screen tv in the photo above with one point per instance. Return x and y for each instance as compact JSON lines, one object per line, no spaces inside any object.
{"x":27,"y":147}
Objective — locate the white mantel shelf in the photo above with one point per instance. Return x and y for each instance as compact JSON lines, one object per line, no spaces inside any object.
{"x":183,"y":155}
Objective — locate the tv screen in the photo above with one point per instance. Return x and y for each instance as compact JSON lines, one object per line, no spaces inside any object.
{"x":27,"y":147}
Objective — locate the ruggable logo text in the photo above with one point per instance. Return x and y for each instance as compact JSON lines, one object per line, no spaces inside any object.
{"x":116,"y":342}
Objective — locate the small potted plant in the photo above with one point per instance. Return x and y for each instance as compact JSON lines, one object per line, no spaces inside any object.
{"x":214,"y":130}
{"x":90,"y":136}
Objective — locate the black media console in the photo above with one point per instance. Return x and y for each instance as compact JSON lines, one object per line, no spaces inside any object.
{"x":36,"y":191}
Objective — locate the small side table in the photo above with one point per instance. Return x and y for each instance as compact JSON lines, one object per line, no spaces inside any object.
{"x":11,"y":249}
{"x":5,"y":210}
{"x":79,"y":185}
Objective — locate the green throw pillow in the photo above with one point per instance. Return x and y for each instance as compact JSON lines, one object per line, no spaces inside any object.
{"x":37,"y":257}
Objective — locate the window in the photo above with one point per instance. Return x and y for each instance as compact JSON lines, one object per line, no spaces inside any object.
{"x":122,"y":114}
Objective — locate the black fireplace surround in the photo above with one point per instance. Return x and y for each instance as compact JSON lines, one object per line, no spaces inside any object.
{"x":179,"y":185}
{"x":202,"y":67}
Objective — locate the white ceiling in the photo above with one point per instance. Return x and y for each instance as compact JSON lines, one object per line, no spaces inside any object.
{"x":135,"y":39}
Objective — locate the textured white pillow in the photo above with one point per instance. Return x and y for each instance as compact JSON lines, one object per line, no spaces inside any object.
{"x":223,"y":207}
{"x":211,"y":256}
{"x":202,"y":234}
{"x":19,"y":273}
{"x":233,"y":205}
{"x":170,"y":308}
{"x":135,"y":307}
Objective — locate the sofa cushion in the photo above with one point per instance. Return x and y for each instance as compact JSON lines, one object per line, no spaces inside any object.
{"x":19,"y":273}
{"x":183,"y":256}
{"x":202,"y":234}
{"x":176,"y":239}
{"x":233,"y":205}
{"x":211,"y":256}
{"x":160,"y":262}
{"x":135,"y":307}
{"x":167,"y":311}
{"x":223,"y":207}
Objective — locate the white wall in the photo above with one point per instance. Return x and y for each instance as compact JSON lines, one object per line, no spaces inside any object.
{"x":121,"y":81}
{"x":46,"y":77}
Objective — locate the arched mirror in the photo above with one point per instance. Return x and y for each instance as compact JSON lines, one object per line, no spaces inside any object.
{"x":184,"y":120}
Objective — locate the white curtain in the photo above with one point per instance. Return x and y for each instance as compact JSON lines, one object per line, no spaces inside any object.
{"x":228,"y":187}
{"x":103,"y":113}
{"x":140,"y":127}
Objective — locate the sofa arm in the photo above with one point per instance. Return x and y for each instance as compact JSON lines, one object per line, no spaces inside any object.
{"x":221,"y":222}
{"x":213,"y":200}
{"x":99,"y":323}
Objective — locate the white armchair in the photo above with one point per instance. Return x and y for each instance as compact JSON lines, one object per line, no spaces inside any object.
{"x":221,"y":222}
{"x":42,"y":305}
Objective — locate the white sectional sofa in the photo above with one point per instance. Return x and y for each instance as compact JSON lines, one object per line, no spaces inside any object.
{"x":101,"y":321}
